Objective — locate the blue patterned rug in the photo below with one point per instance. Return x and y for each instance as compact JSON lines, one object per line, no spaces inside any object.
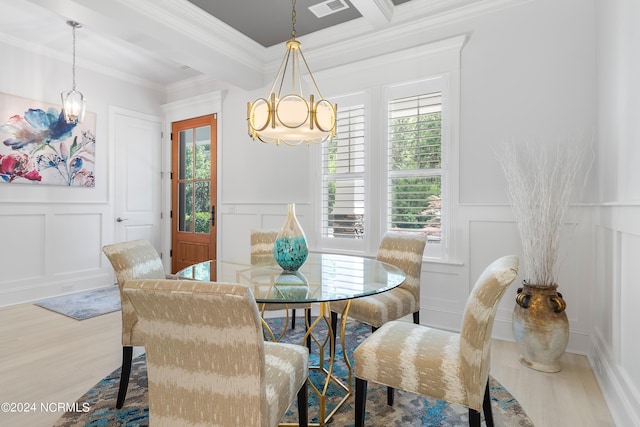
{"x":84,"y":305}
{"x":408,"y":410}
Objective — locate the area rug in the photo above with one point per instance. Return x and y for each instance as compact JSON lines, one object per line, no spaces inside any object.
{"x":84,"y":305}
{"x":408,"y":410}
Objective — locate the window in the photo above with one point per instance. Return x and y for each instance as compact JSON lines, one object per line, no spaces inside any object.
{"x":414,"y":184}
{"x":343,"y":183}
{"x":385,"y":169}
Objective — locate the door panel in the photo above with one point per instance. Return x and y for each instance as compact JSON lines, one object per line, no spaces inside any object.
{"x":137,"y":177}
{"x":194,"y":144}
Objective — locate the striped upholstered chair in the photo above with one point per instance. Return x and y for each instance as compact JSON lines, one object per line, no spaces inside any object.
{"x":207,"y":361}
{"x":136,"y":259}
{"x":444,"y":365}
{"x":403,"y":250}
{"x":262,"y":242}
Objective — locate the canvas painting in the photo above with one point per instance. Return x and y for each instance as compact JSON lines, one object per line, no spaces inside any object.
{"x":38,"y":147}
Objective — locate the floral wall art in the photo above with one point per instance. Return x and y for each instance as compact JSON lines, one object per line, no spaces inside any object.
{"x":38,"y":147}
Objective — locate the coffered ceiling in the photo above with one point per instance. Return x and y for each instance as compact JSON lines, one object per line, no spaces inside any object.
{"x":160,"y":43}
{"x":269,"y":22}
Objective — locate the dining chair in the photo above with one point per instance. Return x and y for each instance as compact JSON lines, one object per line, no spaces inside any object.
{"x":402,"y":250}
{"x":207,"y":361}
{"x":448,"y":366}
{"x":135,"y":259}
{"x":262,"y":243}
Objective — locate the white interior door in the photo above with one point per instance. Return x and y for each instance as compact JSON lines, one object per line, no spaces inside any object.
{"x":137,"y":198}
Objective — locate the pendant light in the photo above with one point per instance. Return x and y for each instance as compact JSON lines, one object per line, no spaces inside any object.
{"x":73,"y":102}
{"x":289,"y":118}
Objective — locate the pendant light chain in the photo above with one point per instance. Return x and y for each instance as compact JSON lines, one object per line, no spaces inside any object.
{"x":73,"y":30}
{"x":292,"y":118}
{"x":293,"y":20}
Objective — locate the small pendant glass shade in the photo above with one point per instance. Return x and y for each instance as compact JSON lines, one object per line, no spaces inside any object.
{"x":73,"y":105}
{"x":290,"y":250}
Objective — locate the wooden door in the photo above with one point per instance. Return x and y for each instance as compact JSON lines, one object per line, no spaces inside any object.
{"x":137,"y":195}
{"x":193,"y":183}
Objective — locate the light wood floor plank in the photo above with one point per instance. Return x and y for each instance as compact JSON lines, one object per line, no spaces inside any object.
{"x":47,"y":357}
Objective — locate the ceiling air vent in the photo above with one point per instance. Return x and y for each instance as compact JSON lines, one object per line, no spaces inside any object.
{"x":328,"y":7}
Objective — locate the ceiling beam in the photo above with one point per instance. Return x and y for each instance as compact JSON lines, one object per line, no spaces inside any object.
{"x":377,"y":12}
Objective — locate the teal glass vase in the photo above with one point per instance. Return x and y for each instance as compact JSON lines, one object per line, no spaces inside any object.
{"x":290,"y":249}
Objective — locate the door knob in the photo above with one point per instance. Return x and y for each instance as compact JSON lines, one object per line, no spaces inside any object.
{"x":121,"y":219}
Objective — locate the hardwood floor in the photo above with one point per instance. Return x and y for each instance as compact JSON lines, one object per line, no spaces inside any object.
{"x":48,"y":358}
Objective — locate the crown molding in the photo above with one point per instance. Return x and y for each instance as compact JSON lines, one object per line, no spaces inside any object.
{"x":196,"y":24}
{"x":409,"y":28}
{"x":81,"y":63}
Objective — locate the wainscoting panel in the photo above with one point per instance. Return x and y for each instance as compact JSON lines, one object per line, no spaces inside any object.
{"x":488,"y":241}
{"x":55,"y":249}
{"x":22,"y":248}
{"x":442,"y":297}
{"x":237,"y":220}
{"x":629,"y":312}
{"x":76,"y":253}
{"x":604,"y":286}
{"x":614,"y":345}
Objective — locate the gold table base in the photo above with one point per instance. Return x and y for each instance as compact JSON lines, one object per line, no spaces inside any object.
{"x":325,"y":315}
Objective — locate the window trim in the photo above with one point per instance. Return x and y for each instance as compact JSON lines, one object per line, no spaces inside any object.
{"x":439,"y":83}
{"x":437,"y":58}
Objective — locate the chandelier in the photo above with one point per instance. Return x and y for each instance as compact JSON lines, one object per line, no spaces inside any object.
{"x":73,"y":102}
{"x":290,"y":118}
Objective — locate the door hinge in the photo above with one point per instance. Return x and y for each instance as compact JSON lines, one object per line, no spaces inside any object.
{"x":161,"y":215}
{"x":160,"y":255}
{"x":171,"y":214}
{"x":171,"y":253}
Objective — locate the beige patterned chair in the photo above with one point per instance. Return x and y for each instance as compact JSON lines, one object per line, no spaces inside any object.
{"x":207,"y":361}
{"x":403,"y":250}
{"x":262,"y":242}
{"x":136,"y":259}
{"x":444,"y":365}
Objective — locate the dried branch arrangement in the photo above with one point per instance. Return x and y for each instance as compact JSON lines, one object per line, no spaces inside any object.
{"x":540,"y":183}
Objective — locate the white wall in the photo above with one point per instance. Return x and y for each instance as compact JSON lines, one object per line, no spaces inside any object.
{"x":522,"y":75}
{"x":617,"y":222}
{"x":537,"y":70}
{"x":51,"y":237}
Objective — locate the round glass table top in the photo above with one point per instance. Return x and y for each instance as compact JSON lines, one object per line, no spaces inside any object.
{"x":322,"y":278}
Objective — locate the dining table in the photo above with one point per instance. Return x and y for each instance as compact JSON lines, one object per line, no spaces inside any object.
{"x":322,"y":279}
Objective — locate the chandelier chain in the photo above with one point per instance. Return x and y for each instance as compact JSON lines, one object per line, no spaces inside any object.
{"x":73,"y":30}
{"x":293,"y":20}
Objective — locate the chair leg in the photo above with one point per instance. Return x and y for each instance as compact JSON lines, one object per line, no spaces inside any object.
{"x":474,"y":418}
{"x":416,"y":317}
{"x":303,"y":406}
{"x":486,"y":407}
{"x":334,"y":327}
{"x":361,"y":401}
{"x":125,"y":371}
{"x":390,"y":396}
{"x":293,"y":318}
{"x":307,"y":312}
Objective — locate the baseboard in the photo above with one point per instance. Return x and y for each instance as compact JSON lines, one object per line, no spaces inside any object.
{"x":622,"y":399}
{"x":24,"y":292}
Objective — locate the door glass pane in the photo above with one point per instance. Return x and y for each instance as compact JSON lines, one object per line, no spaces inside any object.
{"x":203,"y":152}
{"x":185,"y":155}
{"x":203,"y":216}
{"x":185,"y":202}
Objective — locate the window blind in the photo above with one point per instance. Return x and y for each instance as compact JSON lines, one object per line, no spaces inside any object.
{"x":415,"y":164}
{"x":343,"y":171}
